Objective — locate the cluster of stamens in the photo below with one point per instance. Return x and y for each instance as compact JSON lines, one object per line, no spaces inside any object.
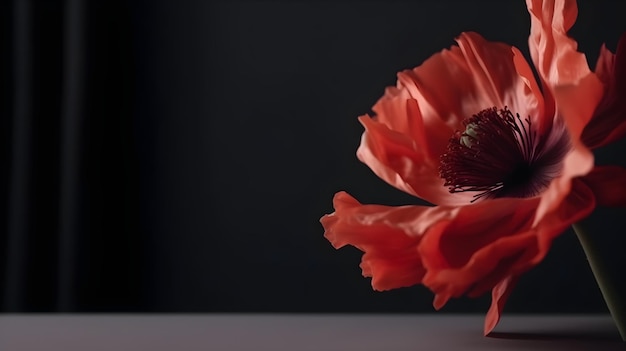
{"x":500,"y":155}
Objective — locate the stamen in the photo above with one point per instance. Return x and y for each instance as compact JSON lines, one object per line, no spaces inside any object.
{"x":498,"y":156}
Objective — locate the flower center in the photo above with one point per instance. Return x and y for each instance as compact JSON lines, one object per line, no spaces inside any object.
{"x":500,"y":155}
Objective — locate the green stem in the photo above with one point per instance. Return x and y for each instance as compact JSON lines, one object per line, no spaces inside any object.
{"x":604,"y":278}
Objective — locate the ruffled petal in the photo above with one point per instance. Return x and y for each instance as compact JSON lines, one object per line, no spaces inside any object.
{"x":471,"y":248}
{"x":501,"y":75}
{"x":466,"y":79}
{"x":563,"y":70}
{"x":609,"y":119}
{"x":387,"y":235}
{"x":577,"y":205}
{"x":401,"y":113}
{"x":553,"y":52}
{"x":540,"y":114}
{"x":608,"y":185}
{"x":393,"y":157}
{"x":471,"y":253}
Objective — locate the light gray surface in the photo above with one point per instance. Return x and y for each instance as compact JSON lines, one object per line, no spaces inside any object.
{"x":226,"y":332}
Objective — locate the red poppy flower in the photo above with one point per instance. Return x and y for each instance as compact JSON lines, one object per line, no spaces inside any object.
{"x":507,"y":165}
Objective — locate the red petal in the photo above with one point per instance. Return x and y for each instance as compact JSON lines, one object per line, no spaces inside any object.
{"x":608,"y":185}
{"x":401,"y":113}
{"x":488,"y":241}
{"x":606,"y":63}
{"x":609,"y":119}
{"x":462,"y":252}
{"x":554,"y":53}
{"x":458,"y":83}
{"x":562,"y":69}
{"x":393,"y":157}
{"x":577,"y":163}
{"x":541,"y":114}
{"x":499,"y":295}
{"x":387,"y":235}
{"x":578,"y":205}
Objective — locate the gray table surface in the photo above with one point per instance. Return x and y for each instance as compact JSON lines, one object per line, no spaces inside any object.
{"x":278,"y":332}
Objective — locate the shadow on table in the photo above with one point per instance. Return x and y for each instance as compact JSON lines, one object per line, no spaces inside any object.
{"x":558,"y":336}
{"x":599,"y":340}
{"x":572,"y":333}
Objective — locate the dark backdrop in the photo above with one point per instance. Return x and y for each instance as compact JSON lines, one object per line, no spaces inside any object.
{"x":177,"y":155}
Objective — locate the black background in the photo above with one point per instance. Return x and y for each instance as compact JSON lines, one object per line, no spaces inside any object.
{"x":207,"y":140}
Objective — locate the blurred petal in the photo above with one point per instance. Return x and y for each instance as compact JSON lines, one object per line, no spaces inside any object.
{"x":608,"y":184}
{"x":605,"y":66}
{"x":499,"y":295}
{"x":609,"y":120}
